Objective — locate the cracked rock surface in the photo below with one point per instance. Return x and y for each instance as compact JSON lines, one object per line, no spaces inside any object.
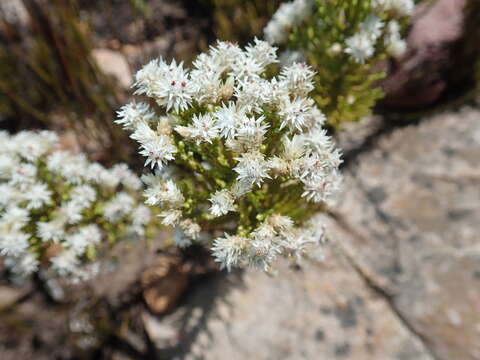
{"x":401,"y":279}
{"x":413,"y":208}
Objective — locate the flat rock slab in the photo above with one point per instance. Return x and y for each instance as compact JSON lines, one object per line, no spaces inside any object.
{"x":325,"y":310}
{"x":413,"y":207}
{"x":401,"y":279}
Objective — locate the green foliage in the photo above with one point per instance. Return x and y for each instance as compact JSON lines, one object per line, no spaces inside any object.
{"x":345,"y":90}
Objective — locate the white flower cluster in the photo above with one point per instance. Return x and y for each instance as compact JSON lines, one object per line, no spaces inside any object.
{"x":235,"y":151}
{"x":397,"y":7}
{"x":361,"y":45}
{"x":56,"y":207}
{"x":288,"y":15}
{"x":275,"y":236}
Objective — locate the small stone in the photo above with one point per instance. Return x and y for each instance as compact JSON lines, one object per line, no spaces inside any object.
{"x":163,"y":284}
{"x":113,"y":63}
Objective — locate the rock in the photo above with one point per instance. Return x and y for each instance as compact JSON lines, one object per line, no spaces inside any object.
{"x":430,"y":68}
{"x":428,"y":16}
{"x":9,"y":295}
{"x":413,"y":206}
{"x":325,"y":308}
{"x":34,"y":330}
{"x":14,"y":12}
{"x":113,"y":63}
{"x":163,"y":283}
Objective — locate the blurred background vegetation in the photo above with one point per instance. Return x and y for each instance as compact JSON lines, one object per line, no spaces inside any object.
{"x":240,"y":20}
{"x":48,"y":76}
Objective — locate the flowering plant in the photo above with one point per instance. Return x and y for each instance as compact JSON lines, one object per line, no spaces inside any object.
{"x":56,"y":208}
{"x":344,"y":41}
{"x":240,"y":156}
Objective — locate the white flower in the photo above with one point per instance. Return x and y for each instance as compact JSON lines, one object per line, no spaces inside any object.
{"x":287,"y":16}
{"x":296,"y":114}
{"x":229,"y":250}
{"x":13,"y":243}
{"x":251,"y":130}
{"x":299,"y":240}
{"x":360,"y":47}
{"x":399,"y":7}
{"x":180,"y":239}
{"x":294,"y":148}
{"x":143,"y":133}
{"x":372,"y":27}
{"x":23,"y":265}
{"x":9,"y":195}
{"x":53,"y":230}
{"x":322,"y":189}
{"x":247,"y":68}
{"x":118,"y":207}
{"x":298,"y":79}
{"x":158,"y":151}
{"x":207,"y":81}
{"x":32,"y":145}
{"x":252,"y":168}
{"x":203,"y":129}
{"x":7,"y":165}
{"x":335,"y":49}
{"x":83,"y":195}
{"x":278,"y":166}
{"x":14,"y":218}
{"x":72,"y":212}
{"x":262,"y":52}
{"x":83,"y":273}
{"x":147,"y":78}
{"x":280,"y":223}
{"x":264,"y":231}
{"x":190,"y":228}
{"x":128,"y":178}
{"x":101,"y":176}
{"x":394,"y":44}
{"x":240,"y":188}
{"x":224,"y":54}
{"x":171,"y":217}
{"x":56,"y":160}
{"x":130,"y":115}
{"x":319,"y":141}
{"x":228,"y":116}
{"x":73,"y":169}
{"x":253,"y":94}
{"x":83,"y":238}
{"x":141,"y":215}
{"x":164,"y":192}
{"x":222,"y":203}
{"x":173,"y":89}
{"x":66,"y":263}
{"x":23,"y":174}
{"x":37,"y":196}
{"x":264,"y":249}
